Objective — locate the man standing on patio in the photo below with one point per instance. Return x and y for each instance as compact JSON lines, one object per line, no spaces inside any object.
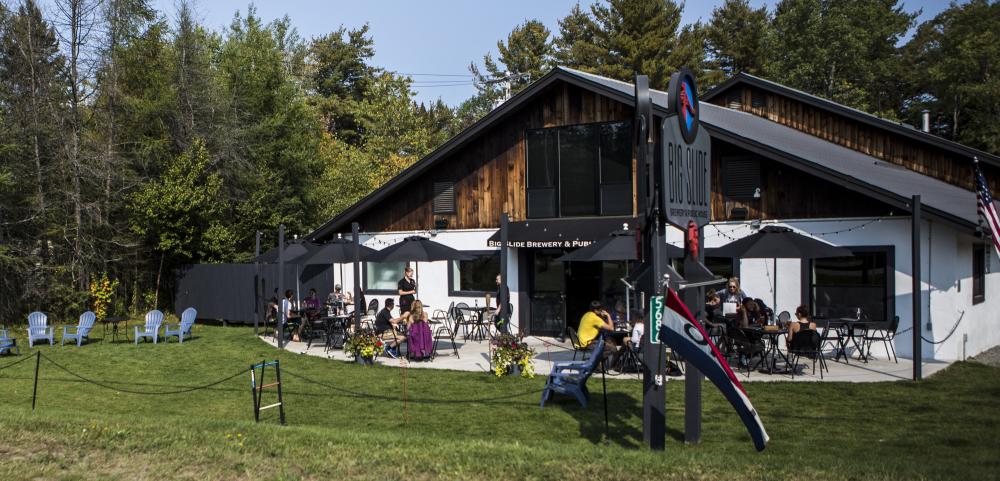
{"x":502,"y":317}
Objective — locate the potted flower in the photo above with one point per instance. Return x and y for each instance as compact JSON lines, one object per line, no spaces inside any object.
{"x":512,"y":355}
{"x":364,"y":347}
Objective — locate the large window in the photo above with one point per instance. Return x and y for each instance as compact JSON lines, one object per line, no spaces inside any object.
{"x":383,"y":276}
{"x":474,"y":277}
{"x":978,"y":273}
{"x":580,"y":170}
{"x":840,"y":286}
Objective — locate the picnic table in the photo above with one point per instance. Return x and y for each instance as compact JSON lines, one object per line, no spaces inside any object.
{"x":119,"y":325}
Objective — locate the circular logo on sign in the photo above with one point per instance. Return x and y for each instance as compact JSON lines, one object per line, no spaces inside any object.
{"x":684,"y":103}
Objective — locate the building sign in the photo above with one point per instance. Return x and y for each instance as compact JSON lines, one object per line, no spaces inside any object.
{"x":562,"y":244}
{"x":687,"y":156}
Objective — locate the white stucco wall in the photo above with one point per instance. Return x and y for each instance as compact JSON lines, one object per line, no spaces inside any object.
{"x":432,"y":277}
{"x":947,"y":285}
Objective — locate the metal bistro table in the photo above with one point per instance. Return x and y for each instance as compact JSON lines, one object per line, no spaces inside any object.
{"x":479,"y":328}
{"x":849,"y":331}
{"x":773,"y":337}
{"x":115,"y":331}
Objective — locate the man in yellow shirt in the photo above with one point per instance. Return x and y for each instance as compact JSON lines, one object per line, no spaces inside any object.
{"x":591,"y":324}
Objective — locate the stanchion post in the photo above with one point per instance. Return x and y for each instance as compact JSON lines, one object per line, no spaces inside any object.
{"x":917,"y":291}
{"x":34,"y":390}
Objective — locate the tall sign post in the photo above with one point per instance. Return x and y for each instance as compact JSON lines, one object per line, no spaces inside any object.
{"x":687,"y":160}
{"x":653,"y":390}
{"x":281,"y":286}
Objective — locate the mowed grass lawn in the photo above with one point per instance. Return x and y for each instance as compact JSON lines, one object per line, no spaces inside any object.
{"x":458,"y":425}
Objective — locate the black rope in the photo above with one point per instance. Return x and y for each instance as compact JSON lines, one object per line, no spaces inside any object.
{"x":383,"y":397}
{"x":152,"y":393}
{"x":15,"y":363}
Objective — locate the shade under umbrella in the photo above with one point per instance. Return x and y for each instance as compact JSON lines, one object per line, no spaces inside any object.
{"x":334,"y":252}
{"x":779,"y":242}
{"x":417,"y":249}
{"x":293,"y":251}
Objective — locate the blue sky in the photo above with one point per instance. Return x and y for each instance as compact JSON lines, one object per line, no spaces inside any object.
{"x":438,"y":37}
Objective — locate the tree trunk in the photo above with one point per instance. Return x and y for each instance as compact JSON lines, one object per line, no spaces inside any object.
{"x":159,"y":274}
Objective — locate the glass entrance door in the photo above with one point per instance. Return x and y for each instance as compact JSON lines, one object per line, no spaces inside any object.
{"x":547,"y":294}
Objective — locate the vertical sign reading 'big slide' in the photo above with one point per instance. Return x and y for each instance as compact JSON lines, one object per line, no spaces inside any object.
{"x":687,"y":156}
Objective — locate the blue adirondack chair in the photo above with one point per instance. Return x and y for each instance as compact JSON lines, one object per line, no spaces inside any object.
{"x":81,"y":331}
{"x":7,"y":343}
{"x":570,"y":377}
{"x":38,"y":328}
{"x":179,"y":330}
{"x":152,"y":328}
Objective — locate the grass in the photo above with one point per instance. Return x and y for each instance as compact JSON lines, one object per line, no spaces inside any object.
{"x":946,"y":427}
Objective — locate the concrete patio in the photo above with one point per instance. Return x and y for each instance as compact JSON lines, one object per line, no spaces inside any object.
{"x":474,"y":356}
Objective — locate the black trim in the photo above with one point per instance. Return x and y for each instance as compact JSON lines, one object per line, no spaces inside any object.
{"x":854,"y":114}
{"x":979,"y":288}
{"x":890,"y":276}
{"x":451,"y":275}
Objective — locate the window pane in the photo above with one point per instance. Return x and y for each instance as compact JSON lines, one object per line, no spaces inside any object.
{"x":616,"y":153}
{"x":543,"y":157}
{"x":477,"y":275}
{"x":841,"y":285}
{"x":578,"y":170}
{"x":720,"y":266}
{"x":383,"y":275}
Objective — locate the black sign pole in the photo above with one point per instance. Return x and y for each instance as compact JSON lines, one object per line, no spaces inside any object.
{"x":257,"y":294}
{"x":692,"y":376}
{"x":653,"y":389}
{"x":281,"y":285}
{"x":503,"y":297}
{"x":355,"y":238}
{"x":917,"y":291}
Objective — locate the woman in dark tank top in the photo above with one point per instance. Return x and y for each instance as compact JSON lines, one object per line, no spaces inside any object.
{"x":803,"y":323}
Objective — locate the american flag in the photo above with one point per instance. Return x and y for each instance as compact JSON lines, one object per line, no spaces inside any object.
{"x":984,"y":204}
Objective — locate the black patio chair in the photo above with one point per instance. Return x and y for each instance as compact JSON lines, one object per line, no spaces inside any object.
{"x":446,"y":331}
{"x":885,"y":334}
{"x":372,"y":307}
{"x":747,"y":347}
{"x":807,"y":343}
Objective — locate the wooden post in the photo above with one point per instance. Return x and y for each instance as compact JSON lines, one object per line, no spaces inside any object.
{"x":917,"y":291}
{"x":256,"y":287}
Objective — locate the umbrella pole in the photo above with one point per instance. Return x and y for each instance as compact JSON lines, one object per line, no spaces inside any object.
{"x":774,"y":300}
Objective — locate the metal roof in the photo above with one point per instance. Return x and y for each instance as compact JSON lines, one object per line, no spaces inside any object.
{"x":854,"y":114}
{"x":862,"y":173}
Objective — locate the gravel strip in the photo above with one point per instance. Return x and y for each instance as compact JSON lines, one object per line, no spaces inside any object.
{"x":990,"y":357}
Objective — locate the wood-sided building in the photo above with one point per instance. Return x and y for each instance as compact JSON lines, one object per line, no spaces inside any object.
{"x":558,"y":159}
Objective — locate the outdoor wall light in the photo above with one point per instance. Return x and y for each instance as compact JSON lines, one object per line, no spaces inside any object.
{"x":756,"y":193}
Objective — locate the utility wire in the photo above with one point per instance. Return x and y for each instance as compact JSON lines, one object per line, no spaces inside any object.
{"x":15,"y":363}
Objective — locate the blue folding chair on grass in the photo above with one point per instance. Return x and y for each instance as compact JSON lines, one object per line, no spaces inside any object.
{"x":152,"y":328}
{"x":8,"y":344}
{"x":179,"y":330}
{"x":570,"y":377}
{"x":39,"y":329}
{"x":82,"y":330}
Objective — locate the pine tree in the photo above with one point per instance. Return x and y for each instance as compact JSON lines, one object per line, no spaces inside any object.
{"x":736,"y":39}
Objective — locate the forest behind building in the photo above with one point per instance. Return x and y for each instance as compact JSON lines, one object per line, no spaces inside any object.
{"x":134,"y":141}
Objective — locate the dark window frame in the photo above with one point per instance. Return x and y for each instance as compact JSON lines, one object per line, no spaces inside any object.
{"x":557,"y":188}
{"x":979,"y":272}
{"x":890,"y":277}
{"x":452,"y":292}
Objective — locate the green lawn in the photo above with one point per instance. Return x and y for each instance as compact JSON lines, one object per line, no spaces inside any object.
{"x":947,"y":427}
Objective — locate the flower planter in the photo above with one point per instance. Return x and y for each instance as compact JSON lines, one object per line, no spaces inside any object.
{"x":514,"y":370}
{"x":364,"y":361}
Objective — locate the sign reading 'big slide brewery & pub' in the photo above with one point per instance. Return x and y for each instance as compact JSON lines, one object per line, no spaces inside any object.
{"x":687,"y":156}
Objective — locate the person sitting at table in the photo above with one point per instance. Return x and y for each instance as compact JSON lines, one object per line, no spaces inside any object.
{"x":291,"y":319}
{"x":618,"y":317}
{"x":714,"y":320}
{"x":592,"y":323}
{"x":312,"y":300}
{"x":407,"y":287}
{"x":418,"y":333}
{"x":732,"y":295}
{"x":752,"y":315}
{"x":384,"y":322}
{"x":634,"y":340}
{"x":803,"y":322}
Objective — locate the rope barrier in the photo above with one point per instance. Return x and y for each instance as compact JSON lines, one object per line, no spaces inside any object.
{"x":15,"y":363}
{"x":151,"y":393}
{"x":383,"y":397}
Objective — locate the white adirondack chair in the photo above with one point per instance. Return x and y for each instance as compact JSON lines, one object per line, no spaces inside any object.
{"x":7,"y":344}
{"x":81,"y":331}
{"x":152,"y":328}
{"x":179,"y":330}
{"x":38,"y":328}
